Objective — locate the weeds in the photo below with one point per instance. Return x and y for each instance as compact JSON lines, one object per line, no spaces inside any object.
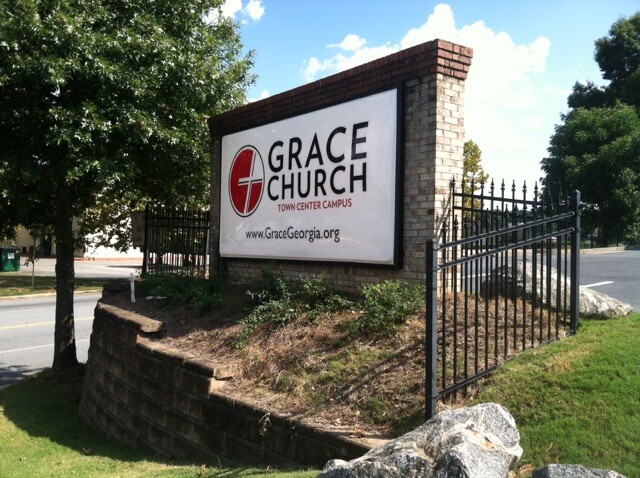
{"x":374,"y":410}
{"x":179,"y":289}
{"x":387,"y":305}
{"x":280,"y":302}
{"x":277,"y":308}
{"x":269,"y":287}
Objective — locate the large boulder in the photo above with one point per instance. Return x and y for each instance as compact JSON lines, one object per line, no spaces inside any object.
{"x":592,"y":302}
{"x":573,"y":471}
{"x":481,"y":442}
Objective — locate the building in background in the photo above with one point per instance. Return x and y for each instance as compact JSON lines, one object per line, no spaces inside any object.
{"x":26,"y":243}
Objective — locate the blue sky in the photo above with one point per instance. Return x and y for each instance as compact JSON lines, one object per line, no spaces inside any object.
{"x":527,"y":56}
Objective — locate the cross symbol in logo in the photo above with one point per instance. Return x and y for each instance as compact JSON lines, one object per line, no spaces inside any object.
{"x":246,"y":181}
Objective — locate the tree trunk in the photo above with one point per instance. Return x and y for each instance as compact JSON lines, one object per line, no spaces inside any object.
{"x":64,"y":353}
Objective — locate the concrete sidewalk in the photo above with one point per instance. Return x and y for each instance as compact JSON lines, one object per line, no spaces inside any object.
{"x":99,"y":268}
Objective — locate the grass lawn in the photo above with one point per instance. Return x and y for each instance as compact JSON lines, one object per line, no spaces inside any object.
{"x":41,"y":435}
{"x":12,"y":283}
{"x":577,"y":400}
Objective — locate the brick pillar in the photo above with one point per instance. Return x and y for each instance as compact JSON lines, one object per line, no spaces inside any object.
{"x":449,"y":140}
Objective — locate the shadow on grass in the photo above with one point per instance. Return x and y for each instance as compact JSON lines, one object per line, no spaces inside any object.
{"x":46,"y":406}
{"x":13,"y":373}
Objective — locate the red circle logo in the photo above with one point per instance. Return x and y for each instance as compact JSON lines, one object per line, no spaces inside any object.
{"x":246,"y":181}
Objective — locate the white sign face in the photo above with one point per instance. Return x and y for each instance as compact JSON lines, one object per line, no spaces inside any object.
{"x":319,"y":186}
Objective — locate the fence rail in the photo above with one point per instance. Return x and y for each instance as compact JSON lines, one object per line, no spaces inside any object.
{"x":176,"y":241}
{"x":502,"y":277}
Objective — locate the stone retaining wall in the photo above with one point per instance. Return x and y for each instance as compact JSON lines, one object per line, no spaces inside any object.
{"x":150,"y":396}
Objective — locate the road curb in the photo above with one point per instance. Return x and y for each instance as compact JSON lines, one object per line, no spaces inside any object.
{"x":608,"y":250}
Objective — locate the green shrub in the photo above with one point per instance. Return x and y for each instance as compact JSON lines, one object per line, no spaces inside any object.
{"x":316,"y":298}
{"x":180,"y":289}
{"x":387,"y":305}
{"x":269,"y":287}
{"x":314,"y":290}
{"x":280,"y":302}
{"x":277,"y":311}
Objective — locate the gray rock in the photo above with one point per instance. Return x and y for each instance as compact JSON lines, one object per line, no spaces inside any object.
{"x":592,"y":302}
{"x":573,"y":471}
{"x":480,"y":441}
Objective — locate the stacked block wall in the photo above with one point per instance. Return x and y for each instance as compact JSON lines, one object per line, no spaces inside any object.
{"x":150,"y":396}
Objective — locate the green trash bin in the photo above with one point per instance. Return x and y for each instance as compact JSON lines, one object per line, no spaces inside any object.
{"x":9,"y":259}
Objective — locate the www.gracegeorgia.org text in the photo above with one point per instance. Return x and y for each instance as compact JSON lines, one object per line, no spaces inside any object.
{"x":293,"y":233}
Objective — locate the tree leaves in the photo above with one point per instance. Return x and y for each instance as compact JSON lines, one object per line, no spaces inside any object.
{"x":597,"y":148}
{"x":103,"y":105}
{"x":100,"y":94}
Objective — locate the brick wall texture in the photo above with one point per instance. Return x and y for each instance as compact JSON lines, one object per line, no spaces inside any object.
{"x":150,"y":396}
{"x":432,"y":76}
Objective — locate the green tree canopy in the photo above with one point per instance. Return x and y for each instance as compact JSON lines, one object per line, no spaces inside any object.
{"x":472,"y":173}
{"x":104,"y":103}
{"x":472,"y":165}
{"x":597,"y":150}
{"x":618,"y":56}
{"x":597,"y":147}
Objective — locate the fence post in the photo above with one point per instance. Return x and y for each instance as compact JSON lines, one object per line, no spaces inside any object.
{"x":145,"y":247}
{"x":207,"y":259}
{"x":431,"y":336}
{"x":575,"y":261}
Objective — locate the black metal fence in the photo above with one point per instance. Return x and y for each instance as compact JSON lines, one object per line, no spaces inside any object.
{"x":502,"y":278}
{"x":176,"y":241}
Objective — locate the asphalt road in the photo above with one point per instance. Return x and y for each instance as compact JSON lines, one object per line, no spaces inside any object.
{"x":27,"y":324}
{"x":26,"y":334}
{"x":613,"y":273}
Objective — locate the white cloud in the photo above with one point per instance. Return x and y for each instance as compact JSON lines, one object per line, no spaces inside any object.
{"x":439,"y":24}
{"x":503,"y":90}
{"x":533,"y":121}
{"x":263,"y":95}
{"x":350,"y":43}
{"x":254,"y":9}
{"x":230,"y":8}
{"x":314,"y":68}
{"x":353,"y":53}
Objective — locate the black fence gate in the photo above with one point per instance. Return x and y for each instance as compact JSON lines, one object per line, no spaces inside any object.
{"x":502,"y":278}
{"x":176,"y":241}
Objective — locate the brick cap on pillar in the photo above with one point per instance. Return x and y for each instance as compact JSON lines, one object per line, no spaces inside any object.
{"x":433,"y":57}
